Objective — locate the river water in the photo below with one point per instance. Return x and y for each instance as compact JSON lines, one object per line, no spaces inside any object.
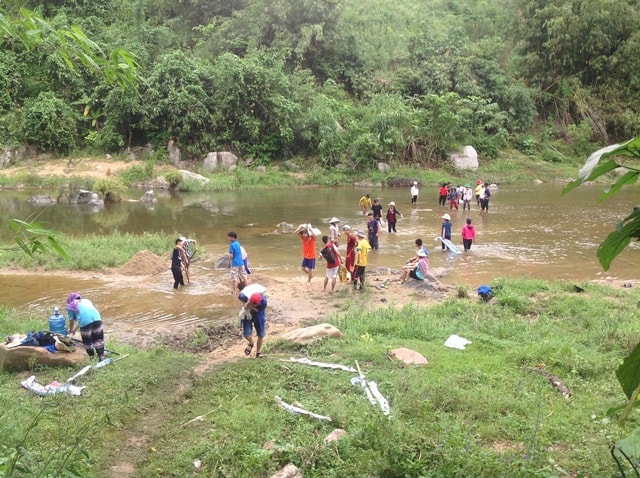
{"x":530,"y":231}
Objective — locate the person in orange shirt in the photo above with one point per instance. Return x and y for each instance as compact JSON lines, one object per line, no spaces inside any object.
{"x":308,"y":254}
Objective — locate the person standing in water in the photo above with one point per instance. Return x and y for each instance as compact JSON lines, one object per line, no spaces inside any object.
{"x":414,"y":192}
{"x":468,"y":235}
{"x":179,"y":260}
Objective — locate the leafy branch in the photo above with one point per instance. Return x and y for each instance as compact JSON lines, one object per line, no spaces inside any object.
{"x":598,"y":164}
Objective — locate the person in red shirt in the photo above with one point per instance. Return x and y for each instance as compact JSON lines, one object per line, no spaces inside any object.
{"x":468,"y":234}
{"x":352,"y":242}
{"x":392,"y":217}
{"x":443,"y":195}
{"x":330,"y":254}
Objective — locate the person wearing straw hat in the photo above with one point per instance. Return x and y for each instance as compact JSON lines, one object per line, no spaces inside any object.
{"x":334,"y":230}
{"x":392,"y":217}
{"x":414,"y":192}
{"x":445,"y":230}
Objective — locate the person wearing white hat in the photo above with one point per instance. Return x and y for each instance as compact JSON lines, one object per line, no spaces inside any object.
{"x":416,"y":268}
{"x":445,"y":230}
{"x":392,"y":217}
{"x":334,"y":230}
{"x":414,"y":192}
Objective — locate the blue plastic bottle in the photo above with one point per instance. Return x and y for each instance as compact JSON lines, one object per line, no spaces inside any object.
{"x":58,"y":323}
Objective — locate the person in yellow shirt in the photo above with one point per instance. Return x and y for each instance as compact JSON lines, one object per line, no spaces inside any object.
{"x":362,"y":253}
{"x":479,"y":188}
{"x":365,"y":204}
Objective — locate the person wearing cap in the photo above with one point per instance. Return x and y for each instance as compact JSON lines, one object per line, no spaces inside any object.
{"x":445,"y":230}
{"x":352,"y":242}
{"x":414,"y":192}
{"x":84,"y":316}
{"x":254,"y":318}
{"x":179,"y":261}
{"x":373,"y":230}
{"x":365,"y":203}
{"x":236,"y":263}
{"x":467,"y":194}
{"x":360,"y":262}
{"x":308,"y":253}
{"x":334,"y":230}
{"x":392,"y":217}
{"x":416,"y":267}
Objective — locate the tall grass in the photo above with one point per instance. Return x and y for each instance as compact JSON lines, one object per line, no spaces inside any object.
{"x":94,"y":252}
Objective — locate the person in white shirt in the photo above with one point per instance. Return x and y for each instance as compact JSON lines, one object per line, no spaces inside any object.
{"x":414,"y":192}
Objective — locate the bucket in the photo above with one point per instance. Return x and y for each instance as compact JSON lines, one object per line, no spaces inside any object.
{"x":58,"y":323}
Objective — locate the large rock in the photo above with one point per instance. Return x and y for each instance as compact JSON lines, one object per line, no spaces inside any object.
{"x":219,"y":160}
{"x":466,"y":159}
{"x":189,"y":176}
{"x":289,"y":471}
{"x":25,"y":357}
{"x":409,"y":356}
{"x":42,"y":200}
{"x":309,"y":335}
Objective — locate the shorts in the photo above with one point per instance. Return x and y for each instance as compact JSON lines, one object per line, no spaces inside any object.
{"x":332,"y":273}
{"x":308,"y":263}
{"x":238,"y":273}
{"x":258,"y":324}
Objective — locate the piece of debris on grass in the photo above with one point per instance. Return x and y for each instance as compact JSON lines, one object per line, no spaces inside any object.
{"x":555,"y":381}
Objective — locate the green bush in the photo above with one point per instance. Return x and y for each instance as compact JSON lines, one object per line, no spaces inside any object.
{"x":110,"y":189}
{"x":49,"y":123}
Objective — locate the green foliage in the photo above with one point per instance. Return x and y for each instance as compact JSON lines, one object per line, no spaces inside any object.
{"x":32,"y":238}
{"x":110,"y":189}
{"x":174,"y":178}
{"x":522,"y":426}
{"x":594,"y":168}
{"x":49,"y":123}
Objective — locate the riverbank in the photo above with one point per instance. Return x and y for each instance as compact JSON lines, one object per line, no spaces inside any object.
{"x":511,"y":167}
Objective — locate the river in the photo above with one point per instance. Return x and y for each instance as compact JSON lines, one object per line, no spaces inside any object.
{"x":530,"y":231}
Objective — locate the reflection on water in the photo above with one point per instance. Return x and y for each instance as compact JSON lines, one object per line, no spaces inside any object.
{"x":531,"y":231}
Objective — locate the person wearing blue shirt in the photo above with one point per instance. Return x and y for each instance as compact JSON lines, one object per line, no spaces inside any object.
{"x":84,"y":316}
{"x":445,"y":231}
{"x":236,"y":263}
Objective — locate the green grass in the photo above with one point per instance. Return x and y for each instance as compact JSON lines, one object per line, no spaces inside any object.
{"x":115,"y":250}
{"x":480,"y":412}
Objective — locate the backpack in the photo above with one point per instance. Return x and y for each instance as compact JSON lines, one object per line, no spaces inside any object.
{"x":485,"y":292}
{"x":327,"y":253}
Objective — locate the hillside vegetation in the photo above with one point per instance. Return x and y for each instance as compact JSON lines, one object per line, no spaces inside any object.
{"x":329,"y":81}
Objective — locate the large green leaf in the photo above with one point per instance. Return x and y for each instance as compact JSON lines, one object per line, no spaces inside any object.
{"x":592,"y":169}
{"x":615,"y":242}
{"x":628,"y":373}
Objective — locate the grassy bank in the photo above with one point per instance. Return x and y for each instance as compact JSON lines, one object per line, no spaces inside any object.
{"x":479,"y":412}
{"x":92,"y":252}
{"x":509,"y":168}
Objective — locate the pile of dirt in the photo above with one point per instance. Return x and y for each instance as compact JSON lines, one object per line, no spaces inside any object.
{"x":144,"y":263}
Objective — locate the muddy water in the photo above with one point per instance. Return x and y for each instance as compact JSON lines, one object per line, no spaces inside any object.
{"x":530,"y":231}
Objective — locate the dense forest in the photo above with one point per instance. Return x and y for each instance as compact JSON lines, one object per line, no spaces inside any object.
{"x":333,"y":81}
